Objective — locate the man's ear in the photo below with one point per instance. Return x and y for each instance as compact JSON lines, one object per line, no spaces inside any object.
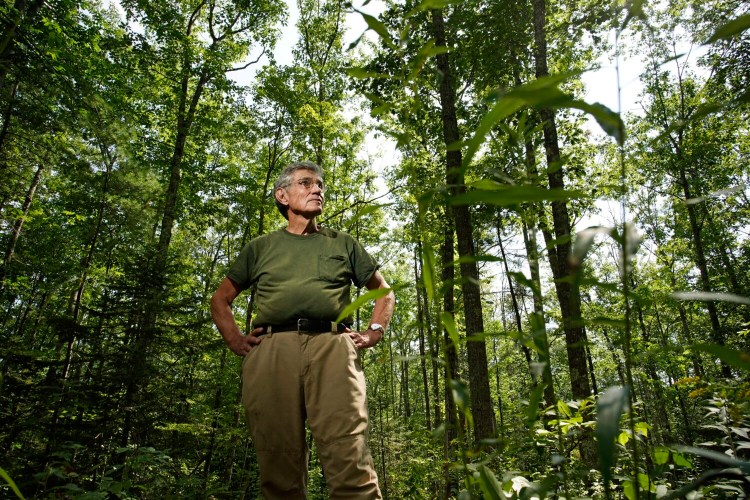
{"x":282,"y":196}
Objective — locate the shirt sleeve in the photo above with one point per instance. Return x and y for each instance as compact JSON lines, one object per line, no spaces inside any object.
{"x":241,"y":270}
{"x":363,"y":265}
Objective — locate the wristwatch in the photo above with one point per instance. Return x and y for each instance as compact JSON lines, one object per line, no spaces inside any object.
{"x":377,"y":327}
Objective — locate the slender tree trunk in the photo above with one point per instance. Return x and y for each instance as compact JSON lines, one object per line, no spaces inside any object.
{"x":479,"y":381}
{"x":568,"y":297}
{"x":538,"y":326}
{"x":422,"y":351}
{"x":717,"y":335}
{"x":18,"y":225}
{"x":451,"y":358}
{"x":559,"y":251}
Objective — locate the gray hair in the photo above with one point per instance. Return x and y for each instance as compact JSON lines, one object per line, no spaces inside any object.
{"x":285,"y":180}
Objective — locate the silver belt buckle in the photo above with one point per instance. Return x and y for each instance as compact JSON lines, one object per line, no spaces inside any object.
{"x":300,"y":323}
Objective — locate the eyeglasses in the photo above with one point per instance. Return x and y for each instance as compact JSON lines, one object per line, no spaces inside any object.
{"x":308,"y":183}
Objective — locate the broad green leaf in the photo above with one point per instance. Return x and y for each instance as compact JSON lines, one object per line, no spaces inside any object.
{"x":460,"y":393}
{"x":718,"y":457}
{"x":610,"y":406}
{"x":623,"y":437}
{"x":732,"y":357}
{"x":712,"y":297}
{"x":478,"y":258}
{"x":645,"y":482}
{"x":730,"y":29}
{"x":534,"y":399}
{"x":642,"y":428}
{"x":514,"y":195}
{"x":563,"y":408}
{"x":681,"y":460}
{"x":10,"y":483}
{"x":628,"y":489}
{"x":378,"y":27}
{"x":449,"y":323}
{"x":428,"y":271}
{"x":584,"y":240}
{"x":661,"y":455}
{"x":607,"y":119}
{"x":491,"y":487}
{"x":362,"y":300}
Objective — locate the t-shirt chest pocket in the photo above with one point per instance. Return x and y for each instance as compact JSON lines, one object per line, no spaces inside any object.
{"x":333,"y":268}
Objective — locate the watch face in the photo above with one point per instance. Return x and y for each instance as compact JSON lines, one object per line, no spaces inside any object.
{"x":377,"y":326}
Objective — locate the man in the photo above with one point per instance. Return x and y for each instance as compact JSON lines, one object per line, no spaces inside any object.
{"x":298,"y":364}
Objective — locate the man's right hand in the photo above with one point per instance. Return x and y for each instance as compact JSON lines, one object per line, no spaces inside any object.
{"x":243,"y":344}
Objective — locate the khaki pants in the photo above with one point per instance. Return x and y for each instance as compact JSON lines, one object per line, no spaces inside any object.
{"x":292,"y":377}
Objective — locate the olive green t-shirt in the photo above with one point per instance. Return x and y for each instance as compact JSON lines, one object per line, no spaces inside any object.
{"x":302,"y":276}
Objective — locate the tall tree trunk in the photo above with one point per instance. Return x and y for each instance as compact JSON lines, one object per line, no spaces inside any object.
{"x":157,"y":275}
{"x":422,"y":351}
{"x":18,"y":225}
{"x":451,"y":357}
{"x":568,"y":297}
{"x":479,"y":381}
{"x":559,"y":251}
{"x":537,"y":321}
{"x":717,"y":335}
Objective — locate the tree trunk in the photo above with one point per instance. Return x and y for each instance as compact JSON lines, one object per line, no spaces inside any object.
{"x":422,"y":351}
{"x":18,"y":225}
{"x":568,"y":297}
{"x":451,"y":357}
{"x":717,"y":335}
{"x":479,"y":381}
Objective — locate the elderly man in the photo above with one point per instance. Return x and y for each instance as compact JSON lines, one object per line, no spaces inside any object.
{"x":299,"y":365}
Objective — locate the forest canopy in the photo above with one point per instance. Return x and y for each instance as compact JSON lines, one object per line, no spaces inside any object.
{"x":573,"y":305}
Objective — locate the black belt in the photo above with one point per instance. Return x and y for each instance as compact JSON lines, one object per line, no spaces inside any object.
{"x":306,"y":326}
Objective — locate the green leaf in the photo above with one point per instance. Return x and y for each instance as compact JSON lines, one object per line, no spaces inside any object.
{"x":428,"y":270}
{"x":491,"y":488}
{"x":681,"y":460}
{"x":609,"y":409}
{"x":10,"y":483}
{"x":628,"y":489}
{"x":449,"y":323}
{"x":584,"y":240}
{"x":661,"y":455}
{"x":644,"y":482}
{"x":713,"y":455}
{"x":737,"y":359}
{"x":607,"y":119}
{"x":563,"y":408}
{"x":461,"y":395}
{"x":378,"y":27}
{"x":362,"y":300}
{"x":712,"y":297}
{"x":533,"y":409}
{"x":623,"y":437}
{"x":730,"y":29}
{"x":514,"y":195}
{"x":642,"y":428}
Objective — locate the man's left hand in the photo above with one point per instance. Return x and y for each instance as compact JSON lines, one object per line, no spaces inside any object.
{"x":364,"y":339}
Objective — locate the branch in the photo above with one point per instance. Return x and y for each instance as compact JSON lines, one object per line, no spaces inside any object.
{"x":240,"y":68}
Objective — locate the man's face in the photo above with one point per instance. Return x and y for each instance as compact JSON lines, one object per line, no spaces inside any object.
{"x":304,"y":196}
